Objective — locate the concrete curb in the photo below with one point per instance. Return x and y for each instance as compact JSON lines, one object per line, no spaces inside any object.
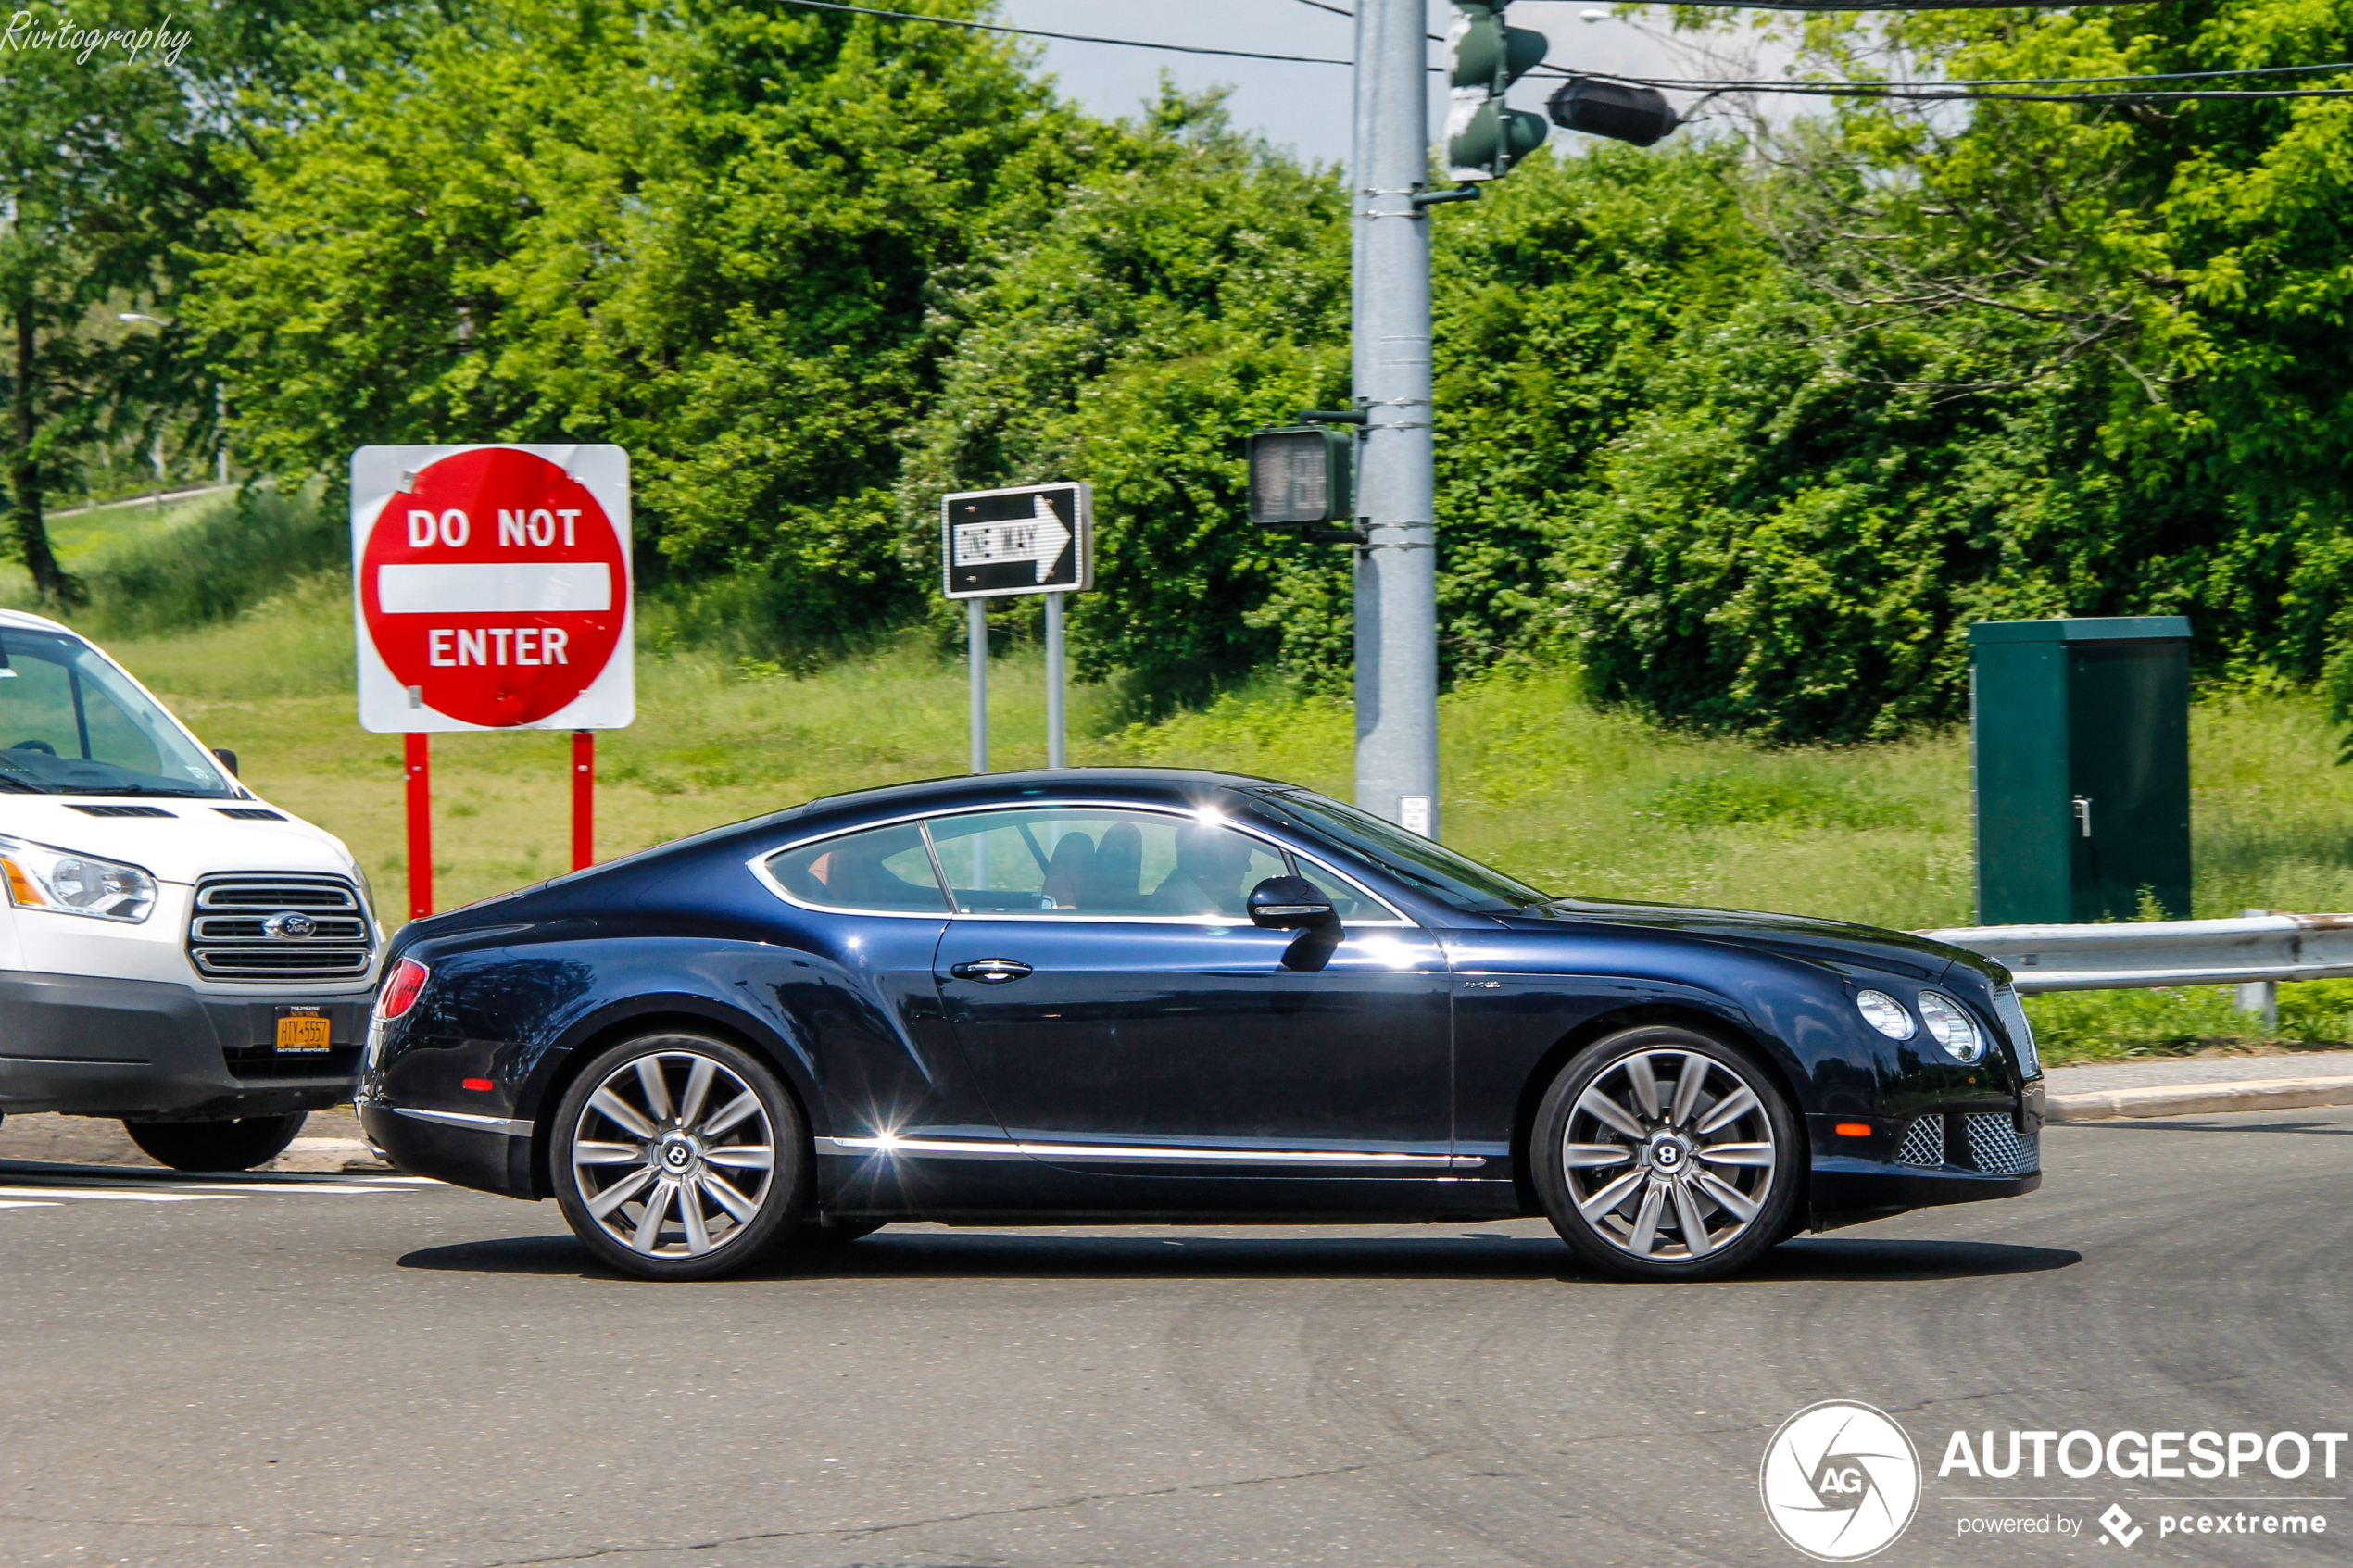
{"x":2192,"y":1100}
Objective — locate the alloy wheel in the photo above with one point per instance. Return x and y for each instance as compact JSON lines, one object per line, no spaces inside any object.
{"x":1668,"y":1155}
{"x":673,"y":1155}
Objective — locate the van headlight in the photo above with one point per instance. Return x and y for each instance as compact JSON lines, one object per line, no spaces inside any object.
{"x":1951,"y":1027}
{"x":66,"y":884}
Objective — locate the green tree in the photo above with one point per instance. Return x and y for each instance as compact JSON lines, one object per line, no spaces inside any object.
{"x":2046,"y":358}
{"x":1192,"y":287}
{"x":705,"y":234}
{"x":103,"y":166}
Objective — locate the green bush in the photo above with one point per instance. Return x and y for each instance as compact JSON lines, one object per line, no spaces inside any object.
{"x":227,"y":558}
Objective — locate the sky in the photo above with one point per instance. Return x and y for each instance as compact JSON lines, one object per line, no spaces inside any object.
{"x":1303,"y":106}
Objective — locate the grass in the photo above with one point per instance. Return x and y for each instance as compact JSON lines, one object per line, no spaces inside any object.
{"x":128,"y":527}
{"x":2074,"y":1027}
{"x":1535,"y":779}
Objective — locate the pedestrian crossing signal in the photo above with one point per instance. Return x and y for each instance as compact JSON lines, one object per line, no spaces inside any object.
{"x":1301,"y":476}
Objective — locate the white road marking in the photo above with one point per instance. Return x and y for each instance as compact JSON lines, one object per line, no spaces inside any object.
{"x":55,"y":1187}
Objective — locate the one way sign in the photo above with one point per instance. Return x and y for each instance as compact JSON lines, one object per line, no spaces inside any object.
{"x":1037,"y":539}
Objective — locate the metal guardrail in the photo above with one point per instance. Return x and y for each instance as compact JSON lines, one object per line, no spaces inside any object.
{"x":2255,"y":949}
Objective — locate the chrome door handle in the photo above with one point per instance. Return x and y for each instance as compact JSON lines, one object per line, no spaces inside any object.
{"x":990,"y":972}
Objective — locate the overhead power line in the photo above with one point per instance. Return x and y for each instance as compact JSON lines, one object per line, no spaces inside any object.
{"x":1963,"y":91}
{"x":1940,"y":92}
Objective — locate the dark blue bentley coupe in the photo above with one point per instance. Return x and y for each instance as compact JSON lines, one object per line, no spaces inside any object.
{"x":1096,"y":995}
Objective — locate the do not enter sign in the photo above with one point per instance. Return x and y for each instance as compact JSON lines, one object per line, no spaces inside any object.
{"x":492,"y":588}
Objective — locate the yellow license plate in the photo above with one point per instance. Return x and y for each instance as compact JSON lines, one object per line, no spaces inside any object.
{"x":301,"y":1033}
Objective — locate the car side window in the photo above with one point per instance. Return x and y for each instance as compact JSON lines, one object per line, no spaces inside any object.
{"x":1347,"y":903}
{"x":879,"y":868}
{"x":1094,"y":860}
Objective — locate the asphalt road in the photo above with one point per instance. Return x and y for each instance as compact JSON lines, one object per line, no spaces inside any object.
{"x":335,"y":1370}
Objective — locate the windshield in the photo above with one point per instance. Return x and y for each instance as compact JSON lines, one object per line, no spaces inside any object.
{"x":1417,"y":861}
{"x":72,"y":724}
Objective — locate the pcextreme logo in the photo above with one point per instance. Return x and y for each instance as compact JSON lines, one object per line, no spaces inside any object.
{"x":1840,"y":1480}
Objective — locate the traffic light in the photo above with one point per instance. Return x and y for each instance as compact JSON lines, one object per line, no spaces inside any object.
{"x":1302,"y":476}
{"x":1619,"y":110}
{"x":1483,"y":138}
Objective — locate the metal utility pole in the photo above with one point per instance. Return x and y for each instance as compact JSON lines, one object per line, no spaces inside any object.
{"x":1396,"y":565}
{"x":976,"y":656}
{"x":1057,"y":744}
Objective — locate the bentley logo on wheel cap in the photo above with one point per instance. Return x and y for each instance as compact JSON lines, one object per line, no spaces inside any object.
{"x":293,"y":923}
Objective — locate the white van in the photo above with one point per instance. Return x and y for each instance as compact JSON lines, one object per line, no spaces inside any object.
{"x":175,"y":951}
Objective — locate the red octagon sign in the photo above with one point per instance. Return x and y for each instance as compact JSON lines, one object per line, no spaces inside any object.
{"x":494,"y":587}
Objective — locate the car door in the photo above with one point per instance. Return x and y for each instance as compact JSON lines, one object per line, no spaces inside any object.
{"x":854,"y":942}
{"x":1123,"y":1015}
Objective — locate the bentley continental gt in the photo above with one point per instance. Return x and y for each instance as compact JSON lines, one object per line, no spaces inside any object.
{"x":1096,"y":996}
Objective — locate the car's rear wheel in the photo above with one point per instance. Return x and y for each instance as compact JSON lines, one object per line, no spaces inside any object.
{"x":217,"y":1145}
{"x":679,"y":1157}
{"x":1662,"y":1153}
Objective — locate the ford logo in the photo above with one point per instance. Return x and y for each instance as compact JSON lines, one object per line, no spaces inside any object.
{"x":293,"y":924}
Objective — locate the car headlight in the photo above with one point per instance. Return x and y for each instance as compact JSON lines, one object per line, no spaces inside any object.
{"x":1951,"y":1027}
{"x":1886,"y":1014}
{"x":66,"y":884}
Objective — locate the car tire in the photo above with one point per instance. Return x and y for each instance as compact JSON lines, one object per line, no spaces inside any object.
{"x":1658,"y":1137}
{"x":217,"y":1145}
{"x":679,"y":1156}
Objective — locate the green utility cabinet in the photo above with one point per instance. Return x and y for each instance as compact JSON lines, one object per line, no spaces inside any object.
{"x":2080,"y":732}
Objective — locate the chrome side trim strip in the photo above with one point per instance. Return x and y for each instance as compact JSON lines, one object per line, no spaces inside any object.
{"x":460,"y":1119}
{"x":1155,"y":1154}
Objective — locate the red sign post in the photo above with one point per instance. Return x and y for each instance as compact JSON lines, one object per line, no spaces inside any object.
{"x":491,"y":590}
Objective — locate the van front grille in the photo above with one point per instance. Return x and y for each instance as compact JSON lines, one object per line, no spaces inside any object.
{"x":290,"y":926}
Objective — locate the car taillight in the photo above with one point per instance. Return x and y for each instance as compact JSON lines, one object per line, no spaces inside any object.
{"x":402,"y":989}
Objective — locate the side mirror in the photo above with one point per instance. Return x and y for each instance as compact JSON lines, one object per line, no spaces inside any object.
{"x":227,"y":759}
{"x":1289,"y":903}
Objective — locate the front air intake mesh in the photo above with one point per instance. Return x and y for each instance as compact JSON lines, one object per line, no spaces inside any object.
{"x":1923,"y":1143}
{"x":1996,"y":1145}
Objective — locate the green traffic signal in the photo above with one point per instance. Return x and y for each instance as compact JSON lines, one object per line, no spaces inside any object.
{"x":1484,"y":139}
{"x":1492,"y":140}
{"x":1484,"y":48}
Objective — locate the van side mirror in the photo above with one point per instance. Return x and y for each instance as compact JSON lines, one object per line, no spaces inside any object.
{"x":1289,"y":903}
{"x":227,"y":759}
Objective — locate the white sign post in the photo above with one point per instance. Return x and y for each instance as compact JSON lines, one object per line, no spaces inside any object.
{"x":491,"y":590}
{"x":1032,"y":539}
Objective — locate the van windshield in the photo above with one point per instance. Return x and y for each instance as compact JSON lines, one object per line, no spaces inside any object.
{"x":72,"y":724}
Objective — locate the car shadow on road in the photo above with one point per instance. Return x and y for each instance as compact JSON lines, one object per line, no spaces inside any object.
{"x":1449,"y":1255}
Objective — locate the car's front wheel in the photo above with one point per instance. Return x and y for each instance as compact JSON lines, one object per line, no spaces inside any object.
{"x":679,"y":1156}
{"x":1662,"y":1153}
{"x":217,"y":1145}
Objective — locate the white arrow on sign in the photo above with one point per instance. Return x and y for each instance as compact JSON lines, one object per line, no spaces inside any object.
{"x":1042,"y":539}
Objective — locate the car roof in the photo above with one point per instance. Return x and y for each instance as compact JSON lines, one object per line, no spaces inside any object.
{"x":24,"y":620}
{"x":1144,"y":784}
